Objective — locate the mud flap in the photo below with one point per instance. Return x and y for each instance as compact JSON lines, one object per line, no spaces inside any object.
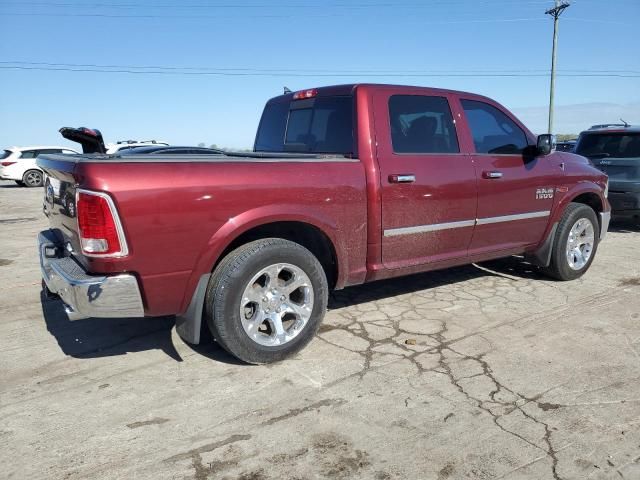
{"x":189,"y":324}
{"x":542,"y":256}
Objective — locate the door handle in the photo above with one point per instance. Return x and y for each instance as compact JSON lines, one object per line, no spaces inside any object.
{"x":493,"y":174}
{"x":402,"y":178}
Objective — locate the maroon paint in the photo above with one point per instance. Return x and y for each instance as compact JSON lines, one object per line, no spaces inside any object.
{"x":179,"y":217}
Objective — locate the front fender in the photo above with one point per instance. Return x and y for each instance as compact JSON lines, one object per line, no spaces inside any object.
{"x":564,"y":195}
{"x":572,"y":192}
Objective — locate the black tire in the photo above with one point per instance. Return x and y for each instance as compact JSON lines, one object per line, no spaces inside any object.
{"x":232,"y":276}
{"x":559,"y":268}
{"x":32,"y":178}
{"x":20,"y":183}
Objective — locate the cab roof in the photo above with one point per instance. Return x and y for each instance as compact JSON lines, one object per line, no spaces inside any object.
{"x":349,"y":88}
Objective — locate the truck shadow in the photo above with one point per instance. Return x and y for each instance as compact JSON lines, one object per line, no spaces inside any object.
{"x":106,"y":337}
{"x":509,"y":267}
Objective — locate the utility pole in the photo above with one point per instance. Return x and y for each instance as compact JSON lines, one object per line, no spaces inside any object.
{"x":555,"y":13}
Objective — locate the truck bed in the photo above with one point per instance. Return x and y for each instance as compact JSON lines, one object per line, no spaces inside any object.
{"x":189,"y":208}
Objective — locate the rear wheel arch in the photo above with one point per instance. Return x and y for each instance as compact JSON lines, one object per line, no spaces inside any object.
{"x":190,"y":325}
{"x":305,"y":234}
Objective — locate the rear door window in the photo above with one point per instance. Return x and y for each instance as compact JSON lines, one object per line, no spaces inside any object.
{"x":49,"y":151}
{"x":29,"y":154}
{"x":421,"y":124}
{"x":492,"y":130}
{"x":314,"y":125}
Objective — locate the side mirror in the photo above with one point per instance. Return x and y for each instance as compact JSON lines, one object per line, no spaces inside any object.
{"x":546,"y":143}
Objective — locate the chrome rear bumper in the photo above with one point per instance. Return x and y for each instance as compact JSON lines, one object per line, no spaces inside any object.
{"x":85,"y":295}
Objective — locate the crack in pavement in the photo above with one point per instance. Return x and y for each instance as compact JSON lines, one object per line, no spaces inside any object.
{"x":354,"y":323}
{"x":195,"y":454}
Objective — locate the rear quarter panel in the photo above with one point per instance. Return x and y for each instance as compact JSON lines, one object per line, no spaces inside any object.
{"x":179,"y":217}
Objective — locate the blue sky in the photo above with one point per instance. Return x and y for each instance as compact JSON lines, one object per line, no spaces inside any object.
{"x":262,"y":45}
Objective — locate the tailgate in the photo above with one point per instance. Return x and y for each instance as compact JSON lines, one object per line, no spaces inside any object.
{"x":59,"y":203}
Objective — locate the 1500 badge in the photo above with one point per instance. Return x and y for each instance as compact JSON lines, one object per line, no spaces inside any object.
{"x":544,"y":193}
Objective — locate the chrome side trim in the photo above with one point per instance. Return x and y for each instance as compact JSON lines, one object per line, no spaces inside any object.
{"x":510,"y":218}
{"x":393,"y":232}
{"x":605,"y":218}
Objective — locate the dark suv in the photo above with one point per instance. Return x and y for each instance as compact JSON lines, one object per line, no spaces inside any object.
{"x":616,"y":151}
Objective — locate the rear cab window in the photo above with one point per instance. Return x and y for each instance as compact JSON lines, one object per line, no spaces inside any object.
{"x":494,"y":133}
{"x":323,"y":124}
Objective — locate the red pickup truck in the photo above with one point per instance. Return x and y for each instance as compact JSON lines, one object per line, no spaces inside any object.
{"x":347,"y":184}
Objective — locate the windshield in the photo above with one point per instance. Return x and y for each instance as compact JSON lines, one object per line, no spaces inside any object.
{"x":5,"y":154}
{"x":617,"y":145}
{"x":314,"y":125}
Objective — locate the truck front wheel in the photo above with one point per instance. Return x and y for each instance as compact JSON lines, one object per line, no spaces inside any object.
{"x":575,"y":243}
{"x":266,"y":299}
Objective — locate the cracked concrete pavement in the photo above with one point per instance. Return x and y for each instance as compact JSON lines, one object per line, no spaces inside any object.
{"x":481,"y":372}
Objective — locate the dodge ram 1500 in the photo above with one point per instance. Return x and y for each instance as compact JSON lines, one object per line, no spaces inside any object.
{"x":347,"y":184}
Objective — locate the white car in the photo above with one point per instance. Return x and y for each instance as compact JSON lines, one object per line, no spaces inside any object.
{"x":19,"y":164}
{"x":129,"y":144}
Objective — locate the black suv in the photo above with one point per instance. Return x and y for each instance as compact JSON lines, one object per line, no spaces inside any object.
{"x":616,"y":151}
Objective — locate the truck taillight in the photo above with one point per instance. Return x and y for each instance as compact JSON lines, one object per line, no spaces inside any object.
{"x":99,"y":227}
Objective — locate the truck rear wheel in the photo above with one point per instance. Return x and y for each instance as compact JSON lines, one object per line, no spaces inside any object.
{"x":266,"y":299}
{"x":575,"y":243}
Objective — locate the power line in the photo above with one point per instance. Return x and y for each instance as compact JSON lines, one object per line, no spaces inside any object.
{"x":295,"y":74}
{"x":349,"y":5}
{"x":284,"y":15}
{"x":311,"y":71}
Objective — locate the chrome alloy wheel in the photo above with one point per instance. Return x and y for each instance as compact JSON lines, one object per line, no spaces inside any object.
{"x":276,"y":304}
{"x":580,"y":243}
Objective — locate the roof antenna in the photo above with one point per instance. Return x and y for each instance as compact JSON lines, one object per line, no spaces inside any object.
{"x":626,"y":125}
{"x":287,"y":90}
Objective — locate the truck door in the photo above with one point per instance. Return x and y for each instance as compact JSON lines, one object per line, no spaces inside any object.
{"x":515,"y":188}
{"x":428,"y":188}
